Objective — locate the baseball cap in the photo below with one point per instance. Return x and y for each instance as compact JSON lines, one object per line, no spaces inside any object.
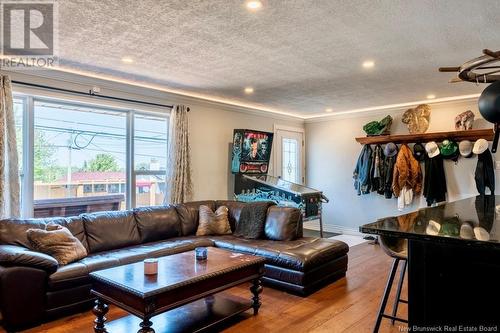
{"x":432,"y":149}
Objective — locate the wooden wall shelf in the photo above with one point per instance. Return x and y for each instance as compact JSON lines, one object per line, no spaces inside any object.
{"x":471,"y":135}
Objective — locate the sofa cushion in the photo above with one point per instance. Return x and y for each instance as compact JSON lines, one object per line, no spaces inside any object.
{"x":252,"y":220}
{"x":300,"y":254}
{"x":111,"y":230}
{"x":58,"y":242}
{"x":13,"y":231}
{"x":69,"y":276}
{"x":282,"y":223}
{"x":213,"y":223}
{"x":235,"y":208}
{"x":156,"y":223}
{"x":189,"y":215}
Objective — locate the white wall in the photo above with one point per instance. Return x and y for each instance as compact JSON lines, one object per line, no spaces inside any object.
{"x":332,"y":152}
{"x":211,"y":124}
{"x":211,"y":132}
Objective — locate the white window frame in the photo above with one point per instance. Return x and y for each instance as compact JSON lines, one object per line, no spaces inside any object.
{"x":29,"y":98}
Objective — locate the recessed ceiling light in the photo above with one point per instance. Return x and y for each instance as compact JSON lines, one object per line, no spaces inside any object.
{"x":127,"y":60}
{"x":431,"y":96}
{"x":368,"y":64}
{"x":254,"y":5}
{"x":328,"y":110}
{"x":248,"y":90}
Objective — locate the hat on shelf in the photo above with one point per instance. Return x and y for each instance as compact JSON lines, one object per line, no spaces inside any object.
{"x":419,"y":152}
{"x":465,"y":148}
{"x":449,"y":149}
{"x":390,"y":149}
{"x":480,"y":146}
{"x":432,"y":149}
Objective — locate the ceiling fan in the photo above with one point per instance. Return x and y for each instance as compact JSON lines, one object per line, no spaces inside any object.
{"x":483,"y":69}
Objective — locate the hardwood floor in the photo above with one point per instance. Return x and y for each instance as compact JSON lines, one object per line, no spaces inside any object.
{"x":348,"y":305}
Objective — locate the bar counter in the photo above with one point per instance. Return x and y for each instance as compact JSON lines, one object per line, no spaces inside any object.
{"x":453,"y":263}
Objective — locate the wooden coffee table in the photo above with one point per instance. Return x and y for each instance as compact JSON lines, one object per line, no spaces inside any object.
{"x":185,"y":295}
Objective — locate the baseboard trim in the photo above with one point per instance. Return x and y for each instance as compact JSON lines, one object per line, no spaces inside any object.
{"x":337,"y":229}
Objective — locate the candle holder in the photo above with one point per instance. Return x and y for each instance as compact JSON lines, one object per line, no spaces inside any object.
{"x":201,"y":253}
{"x":150,"y":266}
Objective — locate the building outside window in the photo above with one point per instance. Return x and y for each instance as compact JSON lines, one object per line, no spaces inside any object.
{"x":78,"y":151}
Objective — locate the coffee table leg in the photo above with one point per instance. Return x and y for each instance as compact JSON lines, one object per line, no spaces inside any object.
{"x":146,"y":326}
{"x":256,"y":289}
{"x":100,"y":309}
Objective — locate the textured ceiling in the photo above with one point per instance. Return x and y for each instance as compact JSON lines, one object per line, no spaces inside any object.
{"x":300,"y":56}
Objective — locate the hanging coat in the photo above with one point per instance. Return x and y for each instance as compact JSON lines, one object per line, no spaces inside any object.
{"x":362,"y":172}
{"x":435,"y":180}
{"x":485,"y":174}
{"x":407,"y":172}
{"x":378,"y":171}
{"x":388,"y":172}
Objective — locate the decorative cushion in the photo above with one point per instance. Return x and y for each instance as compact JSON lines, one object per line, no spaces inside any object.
{"x":211,"y":223}
{"x":189,"y":215}
{"x":58,"y":242}
{"x":252,"y":220}
{"x":282,"y":223}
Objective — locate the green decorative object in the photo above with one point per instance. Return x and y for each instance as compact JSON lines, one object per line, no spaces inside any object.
{"x":382,"y":127}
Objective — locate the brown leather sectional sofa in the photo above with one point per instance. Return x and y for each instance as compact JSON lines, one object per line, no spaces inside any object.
{"x":33,"y":288}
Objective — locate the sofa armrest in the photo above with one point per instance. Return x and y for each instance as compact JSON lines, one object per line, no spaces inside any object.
{"x":22,"y":296}
{"x":13,"y":255}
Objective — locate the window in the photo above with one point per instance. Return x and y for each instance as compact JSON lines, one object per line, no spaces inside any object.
{"x":79,"y":150}
{"x":75,"y":146}
{"x":114,"y":188}
{"x":290,"y":161}
{"x":150,"y":159}
{"x":87,"y":188}
{"x":99,"y":188}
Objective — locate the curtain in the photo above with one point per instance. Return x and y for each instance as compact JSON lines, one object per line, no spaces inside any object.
{"x":179,"y":184}
{"x":9,"y":171}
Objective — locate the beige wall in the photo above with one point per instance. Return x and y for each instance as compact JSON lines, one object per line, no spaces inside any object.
{"x":211,"y":132}
{"x":211,"y":125}
{"x":332,"y":153}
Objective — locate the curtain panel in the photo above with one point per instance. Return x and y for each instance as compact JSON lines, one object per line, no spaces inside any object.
{"x":179,"y":183}
{"x":9,"y":169}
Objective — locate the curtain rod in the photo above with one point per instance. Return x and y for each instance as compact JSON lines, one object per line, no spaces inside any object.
{"x":92,"y":94}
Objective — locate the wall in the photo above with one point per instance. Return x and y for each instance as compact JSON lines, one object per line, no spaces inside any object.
{"x":211,"y":124}
{"x":332,"y":153}
{"x":211,"y":134}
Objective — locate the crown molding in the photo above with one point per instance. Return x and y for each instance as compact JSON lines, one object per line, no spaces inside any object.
{"x":160,"y":92}
{"x":164,"y":94}
{"x":389,"y":109}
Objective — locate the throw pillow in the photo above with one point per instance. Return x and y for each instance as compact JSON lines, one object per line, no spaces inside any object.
{"x":211,"y":223}
{"x":252,"y":220}
{"x":58,"y":242}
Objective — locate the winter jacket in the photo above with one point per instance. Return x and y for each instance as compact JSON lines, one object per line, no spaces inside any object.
{"x":388,"y":173}
{"x":435,"y":180}
{"x":378,"y":170}
{"x":407,"y":172}
{"x":485,"y":174}
{"x":362,"y":172}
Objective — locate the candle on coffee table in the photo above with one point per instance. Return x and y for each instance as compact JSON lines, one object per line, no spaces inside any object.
{"x":150,"y":266}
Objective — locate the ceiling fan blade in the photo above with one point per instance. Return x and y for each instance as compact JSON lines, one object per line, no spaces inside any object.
{"x":456,"y":80}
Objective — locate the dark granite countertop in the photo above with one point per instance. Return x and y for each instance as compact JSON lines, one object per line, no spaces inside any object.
{"x":468,"y":221}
